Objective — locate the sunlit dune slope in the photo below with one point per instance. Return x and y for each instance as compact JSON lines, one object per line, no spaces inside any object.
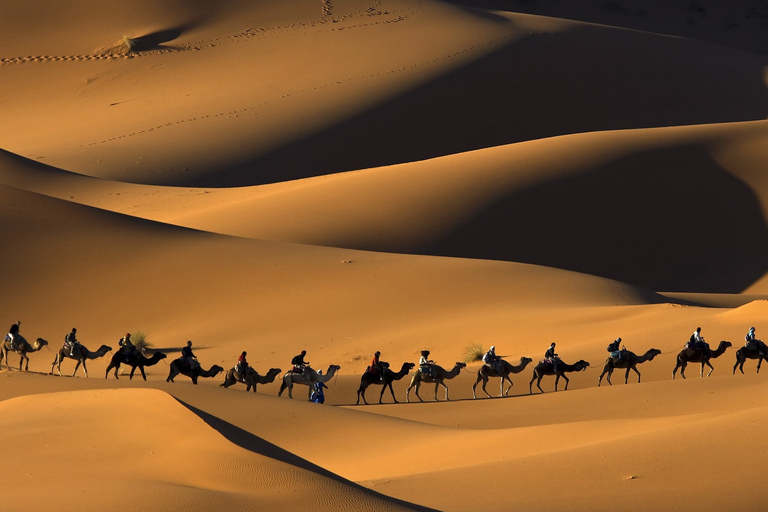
{"x":166,"y":458}
{"x":251,"y":97}
{"x":107,"y":273}
{"x":629,"y":205}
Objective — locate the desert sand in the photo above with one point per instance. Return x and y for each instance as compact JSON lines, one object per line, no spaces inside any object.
{"x":343,"y":177}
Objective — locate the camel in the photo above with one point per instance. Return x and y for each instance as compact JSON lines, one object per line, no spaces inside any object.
{"x":178,"y":367}
{"x":307,"y":378}
{"x":486,"y":371}
{"x":438,"y":376}
{"x":745,"y":353}
{"x":629,"y":360}
{"x":689,"y":355}
{"x":80,"y":354}
{"x":366,"y":379}
{"x":250,"y":379}
{"x":24,"y":348}
{"x":136,"y":361}
{"x":545,"y":368}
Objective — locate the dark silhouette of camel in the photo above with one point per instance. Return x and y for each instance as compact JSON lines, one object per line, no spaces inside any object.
{"x":690,"y":355}
{"x":367,"y":379}
{"x":250,"y":379}
{"x":136,"y":360}
{"x":629,"y":360}
{"x":745,"y":353}
{"x":546,"y":368}
{"x":177,"y":367}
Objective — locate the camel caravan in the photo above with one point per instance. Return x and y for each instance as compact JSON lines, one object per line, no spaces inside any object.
{"x":378,"y":373}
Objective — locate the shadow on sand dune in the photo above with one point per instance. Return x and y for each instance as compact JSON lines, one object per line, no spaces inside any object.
{"x":248,"y":441}
{"x":586,"y":79}
{"x":669,"y":220}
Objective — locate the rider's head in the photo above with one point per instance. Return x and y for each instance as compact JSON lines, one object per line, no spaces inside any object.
{"x":751,"y":328}
{"x":425,"y":353}
{"x":553,"y":344}
{"x":74,"y":330}
{"x":127,"y":335}
{"x":245,"y":353}
{"x":698,"y":329}
{"x":493,"y":347}
{"x":618,"y":339}
{"x":377,"y":353}
{"x":189,"y":343}
{"x":303,"y":352}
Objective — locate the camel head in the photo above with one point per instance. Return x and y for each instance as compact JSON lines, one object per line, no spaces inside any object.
{"x":333,"y":367}
{"x":216,"y":369}
{"x":526,"y":360}
{"x":582,"y":365}
{"x":409,"y":366}
{"x":653,"y":353}
{"x":273,"y":372}
{"x":461,"y":365}
{"x":725,"y":344}
{"x":41,"y":342}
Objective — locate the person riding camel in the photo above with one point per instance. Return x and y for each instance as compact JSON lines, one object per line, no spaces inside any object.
{"x":615,"y":350}
{"x":70,"y":341}
{"x":188,"y":357}
{"x":242,"y":364}
{"x":425,"y":364}
{"x":127,"y":346}
{"x":298,"y":362}
{"x":696,"y":342}
{"x":492,"y":360}
{"x":551,"y":357}
{"x":752,"y":343}
{"x":377,"y":366}
{"x":13,"y":335}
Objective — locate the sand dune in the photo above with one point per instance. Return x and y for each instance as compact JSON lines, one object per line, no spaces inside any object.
{"x":345,"y":177}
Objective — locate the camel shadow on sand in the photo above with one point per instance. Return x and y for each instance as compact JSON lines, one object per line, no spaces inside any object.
{"x":255,"y":444}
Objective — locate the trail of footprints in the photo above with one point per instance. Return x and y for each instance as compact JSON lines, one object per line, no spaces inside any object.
{"x":254,"y":109}
{"x":327,"y":9}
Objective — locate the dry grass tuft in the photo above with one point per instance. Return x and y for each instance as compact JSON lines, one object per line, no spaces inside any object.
{"x":473,"y":353}
{"x":125,"y":46}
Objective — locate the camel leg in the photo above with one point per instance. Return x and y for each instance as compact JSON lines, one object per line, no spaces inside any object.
{"x":600,"y":379}
{"x":391,"y":390}
{"x":361,"y":392}
{"x":566,"y":382}
{"x":530,"y":384}
{"x":626,"y":377}
{"x":506,"y":393}
{"x":441,"y":383}
{"x":21,"y":362}
{"x":557,"y":379}
{"x":416,"y":391}
{"x":742,"y":364}
{"x":759,"y":362}
{"x":711,"y":368}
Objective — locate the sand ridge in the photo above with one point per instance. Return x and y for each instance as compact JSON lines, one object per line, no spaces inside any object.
{"x":342,"y":177}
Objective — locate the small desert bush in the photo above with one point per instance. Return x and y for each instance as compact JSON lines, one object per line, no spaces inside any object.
{"x":125,"y":46}
{"x":140,"y":340}
{"x":473,"y":353}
